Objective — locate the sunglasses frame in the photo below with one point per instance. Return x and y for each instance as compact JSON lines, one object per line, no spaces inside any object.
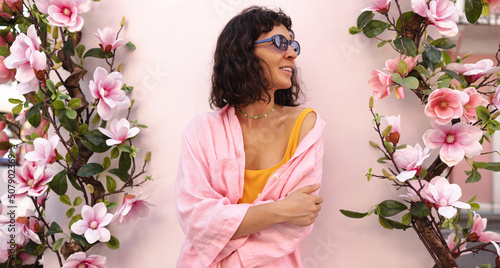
{"x":275,"y":38}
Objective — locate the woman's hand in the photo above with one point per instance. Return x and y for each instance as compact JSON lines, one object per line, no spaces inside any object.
{"x":300,"y":207}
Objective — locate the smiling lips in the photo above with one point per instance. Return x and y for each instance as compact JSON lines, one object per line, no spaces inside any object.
{"x":287,"y":69}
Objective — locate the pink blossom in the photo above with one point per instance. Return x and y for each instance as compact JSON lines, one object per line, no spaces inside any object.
{"x":394,"y":122}
{"x":3,"y":124}
{"x":33,"y":180}
{"x":6,"y":74}
{"x":119,"y":131}
{"x":25,"y":229}
{"x":497,"y":259}
{"x":450,"y":241}
{"x":381,"y":6}
{"x":475,"y":99}
{"x":26,"y":57}
{"x":92,"y":225}
{"x":64,"y":13}
{"x":45,"y":151}
{"x":107,"y":89}
{"x":474,"y":71}
{"x":456,"y":141}
{"x":132,"y":208}
{"x":440,"y":13}
{"x":493,"y":3}
{"x":392,"y":65}
{"x":80,"y":260}
{"x":380,"y":84}
{"x":108,"y":39}
{"x":445,"y":104}
{"x":410,"y":159}
{"x":477,"y":233}
{"x":445,"y":196}
{"x":11,"y":6}
{"x":419,"y":185}
{"x":4,"y":138}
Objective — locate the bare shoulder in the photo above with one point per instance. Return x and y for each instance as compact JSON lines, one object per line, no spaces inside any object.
{"x":307,"y":125}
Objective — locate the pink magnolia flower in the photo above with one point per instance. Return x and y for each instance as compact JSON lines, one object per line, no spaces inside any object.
{"x":445,"y":196}
{"x":80,"y":260}
{"x":6,"y":74}
{"x":456,"y":141}
{"x":92,"y":225}
{"x":392,"y":65}
{"x":107,"y":88}
{"x":11,"y":6}
{"x":497,"y":259}
{"x":395,"y":123}
{"x":132,"y":208}
{"x":45,"y":151}
{"x":410,"y":159}
{"x":419,"y":185}
{"x":108,"y":39}
{"x":3,"y":138}
{"x":445,"y":104}
{"x":119,"y":131}
{"x":450,"y":241}
{"x":440,"y":13}
{"x":27,"y":58}
{"x":493,"y":3}
{"x":380,"y":84}
{"x":477,"y":233}
{"x":474,"y":71}
{"x":25,"y":229}
{"x":475,"y":99}
{"x":381,"y":6}
{"x":33,"y":180}
{"x":64,"y":13}
{"x":4,"y":248}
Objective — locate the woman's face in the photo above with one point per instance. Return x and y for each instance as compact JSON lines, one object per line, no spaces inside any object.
{"x":277,"y":64}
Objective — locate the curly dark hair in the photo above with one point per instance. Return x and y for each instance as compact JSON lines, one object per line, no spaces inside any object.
{"x":238,"y":78}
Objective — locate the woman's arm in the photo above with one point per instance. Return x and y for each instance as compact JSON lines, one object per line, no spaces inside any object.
{"x":299,"y":208}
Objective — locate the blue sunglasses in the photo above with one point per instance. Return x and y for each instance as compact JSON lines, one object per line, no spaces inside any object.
{"x":281,"y":43}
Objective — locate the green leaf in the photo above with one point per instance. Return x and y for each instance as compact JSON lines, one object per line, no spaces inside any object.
{"x":65,"y":199}
{"x":406,"y":18}
{"x":80,"y":239}
{"x":396,"y":77}
{"x":479,"y":165}
{"x":402,"y":67}
{"x":113,"y":243}
{"x":67,"y":123}
{"x":114,"y":153}
{"x":364,"y":18}
{"x":78,"y":200}
{"x":446,"y":57}
{"x":120,"y":174}
{"x":352,"y":214}
{"x":125,"y":162}
{"x":70,"y":212}
{"x":443,"y":43}
{"x":125,"y":148}
{"x":96,"y":53}
{"x":4,"y":51}
{"x":474,"y":176}
{"x":455,"y":76}
{"x":71,"y":114}
{"x":79,"y":50}
{"x":411,"y":82}
{"x":90,"y":169}
{"x":58,"y":184}
{"x":131,"y":45}
{"x":389,"y":208}
{"x":482,"y":113}
{"x":473,"y":10}
{"x":406,"y":220}
{"x":15,"y":101}
{"x":54,"y":229}
{"x":106,"y":162}
{"x":95,"y":141}
{"x":422,"y":70}
{"x":419,"y":209}
{"x":110,"y":184}
{"x":33,"y":111}
{"x":487,"y":265}
{"x":354,"y":30}
{"x":57,"y":245}
{"x":390,"y":224}
{"x":17,"y":109}
{"x":96,"y":119}
{"x":72,"y":180}
{"x":59,"y":104}
{"x":406,"y":46}
{"x":69,"y":47}
{"x":374,"y":28}
{"x":493,"y":166}
{"x":74,"y":103}
{"x":50,"y":86}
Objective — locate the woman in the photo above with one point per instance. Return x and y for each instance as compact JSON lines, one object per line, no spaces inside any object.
{"x":249,"y":171}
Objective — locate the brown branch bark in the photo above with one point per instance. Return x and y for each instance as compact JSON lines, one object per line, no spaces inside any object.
{"x":439,"y":250}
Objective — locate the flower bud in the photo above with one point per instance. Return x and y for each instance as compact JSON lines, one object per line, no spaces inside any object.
{"x":58,"y":45}
{"x":57,"y":66}
{"x":40,"y":74}
{"x":120,"y":67}
{"x":91,"y":188}
{"x":495,"y":115}
{"x":148,"y":156}
{"x":393,"y":137}
{"x":373,"y":144}
{"x":387,"y":131}
{"x":472,"y":237}
{"x":371,"y":102}
{"x":22,"y":220}
{"x":386,"y":173}
{"x":55,"y":33}
{"x":392,"y":178}
{"x":131,"y":103}
{"x":123,"y":21}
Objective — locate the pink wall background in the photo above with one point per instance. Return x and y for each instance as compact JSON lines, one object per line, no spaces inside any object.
{"x":170,"y":71}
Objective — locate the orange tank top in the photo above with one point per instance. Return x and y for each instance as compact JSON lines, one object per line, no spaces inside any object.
{"x":256,"y":180}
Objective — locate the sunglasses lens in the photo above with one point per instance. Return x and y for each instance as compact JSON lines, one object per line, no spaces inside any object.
{"x":295,"y":46}
{"x":280,"y":42}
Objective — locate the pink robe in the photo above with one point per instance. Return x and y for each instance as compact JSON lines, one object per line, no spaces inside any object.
{"x":210,"y":183}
